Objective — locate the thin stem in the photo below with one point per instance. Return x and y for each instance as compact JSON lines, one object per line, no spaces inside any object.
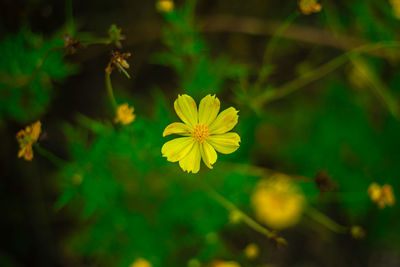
{"x":320,"y":72}
{"x":96,"y":41}
{"x":270,"y":48}
{"x":41,"y":63}
{"x":231,"y":207}
{"x":50,"y":156}
{"x":69,"y":17}
{"x":378,"y":88}
{"x":277,"y":36}
{"x":326,"y":221}
{"x":110,"y":89}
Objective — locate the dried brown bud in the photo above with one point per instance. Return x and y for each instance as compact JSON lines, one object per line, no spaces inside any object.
{"x":118,"y":60}
{"x":71,"y":44}
{"x":324,"y":182}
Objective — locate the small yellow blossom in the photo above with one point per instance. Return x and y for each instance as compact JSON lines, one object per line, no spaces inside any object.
{"x":251,"y":251}
{"x":26,"y":138}
{"x":278,"y":202}
{"x":165,"y":6}
{"x":382,"y":196}
{"x":396,"y":8}
{"x":141,"y":263}
{"x":124,"y":114}
{"x":204,"y":133}
{"x":219,"y":263}
{"x":308,"y":7}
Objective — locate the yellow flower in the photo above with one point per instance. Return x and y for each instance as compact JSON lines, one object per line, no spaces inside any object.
{"x":204,"y":132}
{"x":382,"y":196}
{"x":278,"y":202}
{"x":26,"y":138}
{"x":219,"y":263}
{"x":309,"y":6}
{"x":124,"y":114}
{"x":165,"y":6}
{"x":141,"y":263}
{"x":251,"y":251}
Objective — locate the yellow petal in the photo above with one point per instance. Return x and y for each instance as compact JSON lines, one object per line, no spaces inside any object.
{"x":186,"y":109}
{"x":36,"y":130}
{"x":225,"y":143}
{"x":191,"y":163}
{"x":177,"y":148}
{"x":177,"y":128}
{"x":208,"y":109}
{"x":208,"y":154}
{"x":225,"y":121}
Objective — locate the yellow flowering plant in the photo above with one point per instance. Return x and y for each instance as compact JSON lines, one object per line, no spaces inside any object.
{"x":308,"y":7}
{"x":124,"y":114}
{"x":278,"y":202}
{"x":165,"y":6}
{"x":26,"y":138}
{"x":382,"y":195}
{"x":204,"y":131}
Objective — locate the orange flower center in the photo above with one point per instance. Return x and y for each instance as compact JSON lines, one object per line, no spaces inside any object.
{"x":201,"y":132}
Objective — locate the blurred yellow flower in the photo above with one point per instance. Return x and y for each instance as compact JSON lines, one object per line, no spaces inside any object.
{"x":278,"y":202}
{"x":141,"y":263}
{"x":26,"y":138}
{"x":124,"y":114}
{"x":165,"y":6}
{"x":219,"y":263}
{"x":204,"y":131}
{"x":396,"y":8}
{"x":382,"y":196}
{"x":251,"y":251}
{"x":308,"y":7}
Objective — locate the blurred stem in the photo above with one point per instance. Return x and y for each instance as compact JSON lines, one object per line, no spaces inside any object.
{"x":95,"y":41}
{"x":270,"y":48}
{"x":232,"y":208}
{"x":50,"y":156}
{"x":109,"y":88}
{"x":69,"y":17}
{"x":322,"y":71}
{"x":378,"y":87}
{"x":326,"y":221}
{"x":41,"y":63}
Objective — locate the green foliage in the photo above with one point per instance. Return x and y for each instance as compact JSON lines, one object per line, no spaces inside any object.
{"x":200,"y":73}
{"x":128,"y":202}
{"x":28,"y":68}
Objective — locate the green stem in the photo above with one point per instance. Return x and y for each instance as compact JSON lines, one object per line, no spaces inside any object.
{"x":378,"y":87}
{"x":320,"y":72}
{"x":95,"y":41}
{"x":231,"y":207}
{"x":110,"y":90}
{"x":326,"y":221}
{"x":41,"y":63}
{"x":270,"y":48}
{"x":50,"y":156}
{"x":69,"y":18}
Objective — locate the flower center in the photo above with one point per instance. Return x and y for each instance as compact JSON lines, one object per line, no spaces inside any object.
{"x":201,"y":132}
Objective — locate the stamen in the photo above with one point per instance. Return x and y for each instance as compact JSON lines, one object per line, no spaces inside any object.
{"x":201,"y":132}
